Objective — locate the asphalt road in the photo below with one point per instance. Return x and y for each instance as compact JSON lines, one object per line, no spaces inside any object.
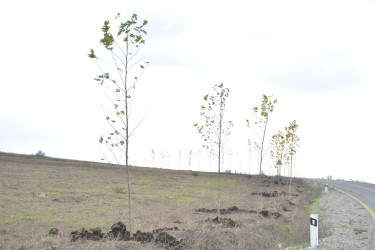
{"x":364,"y":192}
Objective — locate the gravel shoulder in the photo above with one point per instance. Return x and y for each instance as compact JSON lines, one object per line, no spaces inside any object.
{"x":343,"y":222}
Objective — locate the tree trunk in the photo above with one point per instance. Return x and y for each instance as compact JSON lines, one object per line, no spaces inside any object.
{"x":127,"y":139}
{"x":218,"y":184}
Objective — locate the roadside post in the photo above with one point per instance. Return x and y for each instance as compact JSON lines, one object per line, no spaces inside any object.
{"x":326,"y":188}
{"x":313,"y":230}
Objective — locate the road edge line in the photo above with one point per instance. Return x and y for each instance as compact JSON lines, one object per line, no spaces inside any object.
{"x":363,"y":204}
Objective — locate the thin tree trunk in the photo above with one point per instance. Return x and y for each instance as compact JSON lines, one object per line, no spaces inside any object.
{"x":127,"y":139}
{"x":290,"y":174}
{"x":218,"y":183}
{"x":261,"y":150}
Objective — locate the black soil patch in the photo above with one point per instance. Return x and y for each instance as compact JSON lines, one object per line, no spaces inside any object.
{"x":143,"y":237}
{"x":226,"y":222}
{"x":53,"y":231}
{"x":291,"y":203}
{"x":92,"y":234}
{"x":118,"y":232}
{"x":270,"y":194}
{"x":279,"y":183}
{"x":167,"y":240}
{"x":230,"y":210}
{"x":268,"y":214}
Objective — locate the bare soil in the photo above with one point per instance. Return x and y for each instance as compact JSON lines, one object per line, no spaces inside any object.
{"x":50,"y":203}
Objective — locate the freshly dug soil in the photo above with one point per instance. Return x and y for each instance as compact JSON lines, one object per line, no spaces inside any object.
{"x":53,"y":231}
{"x":270,"y":194}
{"x":226,"y":222}
{"x":167,"y":240}
{"x":118,"y":232}
{"x":268,"y":214}
{"x":92,"y":234}
{"x":230,"y":210}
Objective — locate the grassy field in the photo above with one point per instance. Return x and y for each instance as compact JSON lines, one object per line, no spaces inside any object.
{"x":40,"y":193}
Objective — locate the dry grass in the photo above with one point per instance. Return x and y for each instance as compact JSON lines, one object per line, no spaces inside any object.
{"x":39,"y":193}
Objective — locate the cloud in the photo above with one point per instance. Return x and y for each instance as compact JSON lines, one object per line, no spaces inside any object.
{"x":316,"y":78}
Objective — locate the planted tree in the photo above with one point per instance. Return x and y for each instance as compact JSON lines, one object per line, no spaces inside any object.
{"x":162,"y":157}
{"x":153,"y":157}
{"x":119,"y":84}
{"x":190,"y":157}
{"x":262,"y":114}
{"x":215,"y":129}
{"x":278,"y":150}
{"x":292,"y":140}
{"x":250,"y":148}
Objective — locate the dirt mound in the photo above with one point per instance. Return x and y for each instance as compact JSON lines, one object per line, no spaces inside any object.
{"x":270,"y":194}
{"x":91,"y":234}
{"x":279,"y":183}
{"x":268,"y":214}
{"x":230,"y":210}
{"x":167,"y":240}
{"x":143,"y":237}
{"x":53,"y":231}
{"x":118,"y":232}
{"x":226,"y":222}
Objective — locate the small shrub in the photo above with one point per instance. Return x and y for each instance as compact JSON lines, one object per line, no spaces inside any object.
{"x":40,"y":153}
{"x":228,"y":171}
{"x":120,"y":190}
{"x":194,"y":173}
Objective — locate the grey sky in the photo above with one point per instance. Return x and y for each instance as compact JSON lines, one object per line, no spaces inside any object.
{"x":316,"y":57}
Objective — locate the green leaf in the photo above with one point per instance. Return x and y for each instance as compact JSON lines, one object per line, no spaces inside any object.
{"x":122,"y":142}
{"x":92,"y":55}
{"x":101,"y":139}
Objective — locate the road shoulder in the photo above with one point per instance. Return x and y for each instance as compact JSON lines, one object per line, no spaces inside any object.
{"x":343,"y":222}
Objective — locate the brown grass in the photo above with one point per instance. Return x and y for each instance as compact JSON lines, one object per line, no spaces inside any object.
{"x":39,"y":193}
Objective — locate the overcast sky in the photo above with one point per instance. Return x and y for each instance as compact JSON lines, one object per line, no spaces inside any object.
{"x":316,"y":57}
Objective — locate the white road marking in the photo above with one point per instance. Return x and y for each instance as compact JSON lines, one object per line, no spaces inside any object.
{"x":372,"y":190}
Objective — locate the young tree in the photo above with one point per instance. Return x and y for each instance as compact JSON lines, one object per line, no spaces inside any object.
{"x":261,"y":121}
{"x":162,"y":157}
{"x":119,"y":85}
{"x":190,"y":157}
{"x":292,"y":142}
{"x":153,"y":157}
{"x":250,"y":148}
{"x":278,"y":150}
{"x":215,"y":129}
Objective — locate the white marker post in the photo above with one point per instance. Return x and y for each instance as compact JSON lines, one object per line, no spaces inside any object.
{"x":326,"y":188}
{"x":314,"y":230}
